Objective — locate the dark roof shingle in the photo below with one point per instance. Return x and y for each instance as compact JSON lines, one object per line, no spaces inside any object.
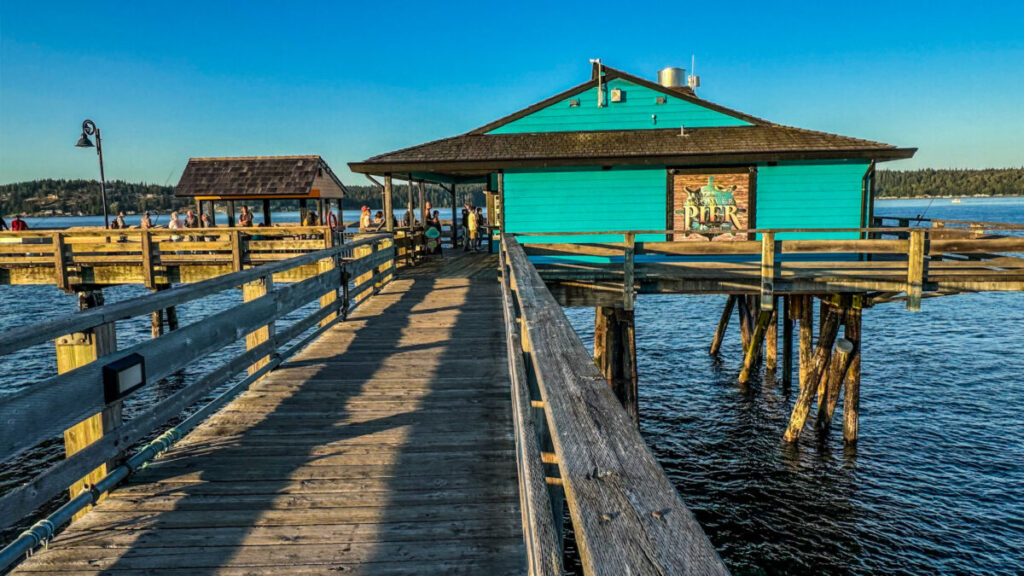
{"x":251,"y":176}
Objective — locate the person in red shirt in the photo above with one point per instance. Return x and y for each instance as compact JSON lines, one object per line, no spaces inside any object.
{"x":18,"y":225}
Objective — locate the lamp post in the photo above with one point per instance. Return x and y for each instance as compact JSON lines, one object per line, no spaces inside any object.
{"x":89,"y":128}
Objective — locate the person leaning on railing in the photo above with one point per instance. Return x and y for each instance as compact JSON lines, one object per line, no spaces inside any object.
{"x":245,"y":217}
{"x":3,"y":224}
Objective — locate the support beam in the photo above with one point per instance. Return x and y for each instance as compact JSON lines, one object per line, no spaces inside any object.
{"x":389,"y":221}
{"x":252,"y":291}
{"x":851,"y":385}
{"x":628,"y":292}
{"x":455,"y":223}
{"x":787,"y":341}
{"x":723,"y":325}
{"x":806,"y":338}
{"x":79,"y":349}
{"x":836,"y":373}
{"x":411,"y":208}
{"x":303,"y":210}
{"x":743,"y":311}
{"x":764,"y":318}
{"x":266,"y":212}
{"x":915,"y":268}
{"x":803,"y":403}
{"x":423,"y":204}
{"x":231,"y":213}
{"x":771,"y":339}
{"x":615,"y":355}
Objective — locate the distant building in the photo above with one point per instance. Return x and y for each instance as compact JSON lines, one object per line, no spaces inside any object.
{"x":259,"y":180}
{"x":618,"y":152}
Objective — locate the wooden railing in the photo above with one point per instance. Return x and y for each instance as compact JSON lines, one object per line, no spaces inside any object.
{"x":152,"y":257}
{"x":343,"y":277}
{"x":576,"y":445}
{"x":911,"y":260}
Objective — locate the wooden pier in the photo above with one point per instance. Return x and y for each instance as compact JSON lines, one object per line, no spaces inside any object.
{"x":442,"y":418}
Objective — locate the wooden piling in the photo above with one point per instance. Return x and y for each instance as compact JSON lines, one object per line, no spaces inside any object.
{"x":836,"y":373}
{"x":787,"y":340}
{"x":915,"y":269}
{"x":803,"y":403}
{"x":757,"y":339}
{"x":723,"y":324}
{"x":74,"y":350}
{"x":806,"y":337}
{"x":743,"y":310}
{"x":771,"y":339}
{"x":822,"y":381}
{"x":851,"y":385}
{"x":615,"y":354}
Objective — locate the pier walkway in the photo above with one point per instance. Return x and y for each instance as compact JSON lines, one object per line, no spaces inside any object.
{"x":385,"y":447}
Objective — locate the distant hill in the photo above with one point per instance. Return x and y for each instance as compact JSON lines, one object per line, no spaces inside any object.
{"x":930,"y":183}
{"x":82,"y":197}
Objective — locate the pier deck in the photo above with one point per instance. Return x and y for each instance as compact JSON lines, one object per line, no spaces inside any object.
{"x":385,"y":447}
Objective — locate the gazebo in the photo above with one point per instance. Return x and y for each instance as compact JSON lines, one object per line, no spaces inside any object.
{"x":261,"y":179}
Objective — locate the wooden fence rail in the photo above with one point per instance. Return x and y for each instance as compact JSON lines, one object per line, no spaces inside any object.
{"x":626,"y":515}
{"x":42,"y":410}
{"x":917,"y":261}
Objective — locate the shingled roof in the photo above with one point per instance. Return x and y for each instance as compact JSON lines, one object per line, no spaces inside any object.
{"x":259,"y":176}
{"x":758,"y":143}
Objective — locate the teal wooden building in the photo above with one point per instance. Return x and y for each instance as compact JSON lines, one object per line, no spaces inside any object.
{"x":619,"y":152}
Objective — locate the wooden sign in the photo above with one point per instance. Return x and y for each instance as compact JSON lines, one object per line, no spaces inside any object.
{"x":710,"y":206}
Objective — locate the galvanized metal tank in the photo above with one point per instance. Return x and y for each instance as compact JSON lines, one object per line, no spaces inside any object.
{"x":671,"y":77}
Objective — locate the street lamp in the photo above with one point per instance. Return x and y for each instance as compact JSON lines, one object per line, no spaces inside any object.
{"x":89,"y":128}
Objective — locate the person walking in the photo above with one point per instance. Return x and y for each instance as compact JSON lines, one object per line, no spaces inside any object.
{"x":245,"y":217}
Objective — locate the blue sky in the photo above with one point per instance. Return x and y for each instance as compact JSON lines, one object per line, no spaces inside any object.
{"x":347,"y":80}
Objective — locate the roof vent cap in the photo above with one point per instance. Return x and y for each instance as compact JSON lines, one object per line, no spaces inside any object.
{"x":671,"y":77}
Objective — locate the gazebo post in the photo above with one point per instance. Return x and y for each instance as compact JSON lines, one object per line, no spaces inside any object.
{"x":423,"y":204}
{"x":302,"y":211}
{"x":455,"y":227}
{"x":389,"y":221}
{"x":411,"y":213}
{"x":231,"y":213}
{"x":266,"y":211}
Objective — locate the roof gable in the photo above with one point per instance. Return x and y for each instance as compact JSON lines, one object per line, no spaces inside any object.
{"x":644,"y":105}
{"x":258,"y":176}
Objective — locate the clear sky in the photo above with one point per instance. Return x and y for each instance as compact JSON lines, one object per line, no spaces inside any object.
{"x":169,"y":80}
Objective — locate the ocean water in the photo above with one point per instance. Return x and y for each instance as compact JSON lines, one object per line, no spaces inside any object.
{"x":936,"y":483}
{"x":935,"y":486}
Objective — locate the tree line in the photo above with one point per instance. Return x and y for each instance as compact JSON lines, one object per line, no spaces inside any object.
{"x":56,"y":197}
{"x":930,"y":182}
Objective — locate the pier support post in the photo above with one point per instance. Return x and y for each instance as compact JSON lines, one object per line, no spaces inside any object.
{"x":826,"y":339}
{"x":836,"y":373}
{"x":806,"y":337}
{"x":389,"y":221}
{"x":74,"y":350}
{"x":764,"y":318}
{"x":851,"y":398}
{"x":252,"y":291}
{"x":743,"y":311}
{"x":723,"y":324}
{"x":787,"y":340}
{"x":615,"y":354}
{"x":771,"y":340}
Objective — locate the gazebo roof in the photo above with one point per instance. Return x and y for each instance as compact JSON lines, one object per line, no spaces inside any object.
{"x":256,"y":177}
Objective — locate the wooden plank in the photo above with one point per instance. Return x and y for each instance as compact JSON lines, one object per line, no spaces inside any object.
{"x":915,"y":269}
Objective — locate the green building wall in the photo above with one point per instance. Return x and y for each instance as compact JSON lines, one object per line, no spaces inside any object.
{"x":639,"y":110}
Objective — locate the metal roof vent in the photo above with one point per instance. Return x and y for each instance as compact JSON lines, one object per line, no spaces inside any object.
{"x":671,"y":77}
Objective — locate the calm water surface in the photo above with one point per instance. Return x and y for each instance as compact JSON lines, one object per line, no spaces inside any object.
{"x":936,"y":484}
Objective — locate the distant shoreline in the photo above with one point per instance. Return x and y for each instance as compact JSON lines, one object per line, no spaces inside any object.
{"x":949,"y":197}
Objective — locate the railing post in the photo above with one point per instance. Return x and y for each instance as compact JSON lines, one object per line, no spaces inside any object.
{"x":59,"y":263}
{"x":79,"y":349}
{"x":252,"y":291}
{"x":767,"y":271}
{"x":331,"y":297}
{"x":147,"y":259}
{"x":627,"y":271}
{"x":915,"y":269}
{"x":236,"y":250}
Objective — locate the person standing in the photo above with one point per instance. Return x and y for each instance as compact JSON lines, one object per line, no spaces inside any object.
{"x":175,"y":223}
{"x":474,"y":229}
{"x":481,"y":226}
{"x":18,"y":225}
{"x":119,"y":222}
{"x":465,"y":226}
{"x":3,"y":224}
{"x":245,"y":217}
{"x":191,"y":221}
{"x":146,"y":223}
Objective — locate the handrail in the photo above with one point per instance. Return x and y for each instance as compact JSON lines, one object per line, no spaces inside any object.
{"x":626,"y":515}
{"x":44,"y":409}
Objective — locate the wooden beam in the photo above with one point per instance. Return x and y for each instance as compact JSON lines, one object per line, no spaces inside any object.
{"x":723,"y":325}
{"x":757,"y":339}
{"x":803,"y":403}
{"x":771,"y":339}
{"x":742,"y":310}
{"x":76,"y":350}
{"x":251,"y":291}
{"x":838,"y":366}
{"x":851,"y":398}
{"x":615,"y":355}
{"x":768,"y":270}
{"x":628,"y":291}
{"x":806,"y":338}
{"x":266,"y":212}
{"x":787,"y":340}
{"x":389,"y":221}
{"x":915,"y":268}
